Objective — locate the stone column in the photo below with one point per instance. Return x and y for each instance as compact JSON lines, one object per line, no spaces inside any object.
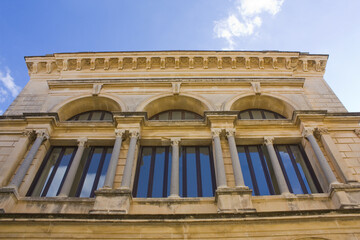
{"x":65,"y":190}
{"x":16,"y":155}
{"x":239,"y":179}
{"x":219,"y":161}
{"x":334,"y":154}
{"x":276,"y":165}
{"x":330,"y":177}
{"x":110,"y":174}
{"x":174,"y":183}
{"x":126,"y":179}
{"x":41,"y":135}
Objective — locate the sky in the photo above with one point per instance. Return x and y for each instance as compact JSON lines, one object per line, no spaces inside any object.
{"x":39,"y":27}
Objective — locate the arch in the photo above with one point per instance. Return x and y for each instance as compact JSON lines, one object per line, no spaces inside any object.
{"x":86,"y":103}
{"x":167,"y":102}
{"x":263,"y":101}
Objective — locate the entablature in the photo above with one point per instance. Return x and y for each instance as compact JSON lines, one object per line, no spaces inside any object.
{"x":63,"y":64}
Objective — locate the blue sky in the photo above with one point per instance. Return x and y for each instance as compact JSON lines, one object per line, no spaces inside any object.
{"x":40,"y":27}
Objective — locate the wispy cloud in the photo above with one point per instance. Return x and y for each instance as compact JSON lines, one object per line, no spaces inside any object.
{"x":245,"y":19}
{"x":3,"y":95}
{"x":9,"y":83}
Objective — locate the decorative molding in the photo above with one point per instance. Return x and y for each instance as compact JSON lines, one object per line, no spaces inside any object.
{"x":176,"y":88}
{"x":82,"y":141}
{"x":215,"y":132}
{"x":307,"y":131}
{"x":134,"y":133}
{"x":256,"y":87}
{"x":234,"y":61}
{"x":119,"y":132}
{"x":31,"y":134}
{"x":357,"y":132}
{"x":175,"y":141}
{"x":268,"y":140}
{"x":43,"y":133}
{"x":320,"y":131}
{"x":230,"y":132}
{"x":96,"y":89}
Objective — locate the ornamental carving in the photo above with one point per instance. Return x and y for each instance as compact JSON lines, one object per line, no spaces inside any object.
{"x":318,"y":132}
{"x":357,"y":132}
{"x":256,"y":61}
{"x":268,"y":140}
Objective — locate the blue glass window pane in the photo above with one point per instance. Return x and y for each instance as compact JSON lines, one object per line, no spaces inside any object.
{"x":192,"y":190}
{"x":304,"y":171}
{"x":206,"y":176}
{"x":144,"y":172}
{"x":181,"y":173}
{"x":104,"y":168}
{"x":91,"y":173}
{"x":245,"y":168}
{"x":48,"y":169}
{"x":60,"y":173}
{"x":259,"y":171}
{"x":158,"y":179}
{"x":169,"y":173}
{"x":289,"y":169}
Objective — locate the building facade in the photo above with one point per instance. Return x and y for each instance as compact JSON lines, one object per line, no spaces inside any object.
{"x":179,"y":145}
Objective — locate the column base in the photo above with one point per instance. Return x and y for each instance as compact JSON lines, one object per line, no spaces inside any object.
{"x":112,"y":201}
{"x":345,"y":196}
{"x":9,"y":196}
{"x":233,"y":200}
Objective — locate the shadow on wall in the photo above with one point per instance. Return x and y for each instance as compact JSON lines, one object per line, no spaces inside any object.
{"x":86,"y":104}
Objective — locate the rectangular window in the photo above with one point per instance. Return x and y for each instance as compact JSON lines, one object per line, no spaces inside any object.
{"x":90,"y":175}
{"x":152,"y":178}
{"x":259,"y":174}
{"x":197,"y":178}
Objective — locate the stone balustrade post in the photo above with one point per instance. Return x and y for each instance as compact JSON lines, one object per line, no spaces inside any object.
{"x":41,"y":135}
{"x":110,"y":174}
{"x":65,"y":190}
{"x":239,"y":179}
{"x":126,"y":179}
{"x":219,"y":161}
{"x":276,"y":165}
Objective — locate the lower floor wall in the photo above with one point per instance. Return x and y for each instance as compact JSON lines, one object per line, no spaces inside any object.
{"x":341,"y":224}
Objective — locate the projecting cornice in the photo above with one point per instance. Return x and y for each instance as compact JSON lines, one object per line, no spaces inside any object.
{"x":177,"y":61}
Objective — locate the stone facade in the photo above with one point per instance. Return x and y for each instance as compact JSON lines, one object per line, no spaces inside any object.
{"x":217,"y":85}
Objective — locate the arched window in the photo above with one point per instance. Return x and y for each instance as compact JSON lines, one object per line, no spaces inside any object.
{"x":176,"y":115}
{"x":92,"y":116}
{"x":259,"y":114}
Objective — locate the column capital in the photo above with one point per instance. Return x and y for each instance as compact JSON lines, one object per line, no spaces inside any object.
{"x":175,"y":141}
{"x":268,"y":140}
{"x":230,"y":132}
{"x":30,"y":134}
{"x":42,"y":133}
{"x":319,"y":131}
{"x":82,"y":141}
{"x":357,"y":132}
{"x":215,"y":132}
{"x":134,"y":133}
{"x":307,"y":131}
{"x":119,"y":132}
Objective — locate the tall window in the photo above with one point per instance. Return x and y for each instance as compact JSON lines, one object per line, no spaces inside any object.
{"x":53,"y":171}
{"x":259,"y":114}
{"x":259,"y":175}
{"x":176,"y":115}
{"x":197,"y":178}
{"x":92,"y":116}
{"x":153,"y":171}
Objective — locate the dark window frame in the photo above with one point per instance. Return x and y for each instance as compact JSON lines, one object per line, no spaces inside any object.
{"x":103,"y":112}
{"x":262,"y":111}
{"x":156,"y":116}
{"x":83,"y":174}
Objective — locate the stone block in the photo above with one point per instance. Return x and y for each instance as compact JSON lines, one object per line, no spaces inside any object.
{"x":234,"y":200}
{"x":112,"y":201}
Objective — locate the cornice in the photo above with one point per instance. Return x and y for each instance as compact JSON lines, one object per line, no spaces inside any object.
{"x":177,"y":61}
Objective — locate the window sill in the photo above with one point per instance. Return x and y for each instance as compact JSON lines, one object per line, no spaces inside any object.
{"x":58,"y":199}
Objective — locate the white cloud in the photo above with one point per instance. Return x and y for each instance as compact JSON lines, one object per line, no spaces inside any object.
{"x":1,"y":112}
{"x":3,"y":95}
{"x":8,"y":82}
{"x":244,"y":21}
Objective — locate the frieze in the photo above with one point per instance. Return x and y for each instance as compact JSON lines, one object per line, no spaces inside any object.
{"x":226,"y":61}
